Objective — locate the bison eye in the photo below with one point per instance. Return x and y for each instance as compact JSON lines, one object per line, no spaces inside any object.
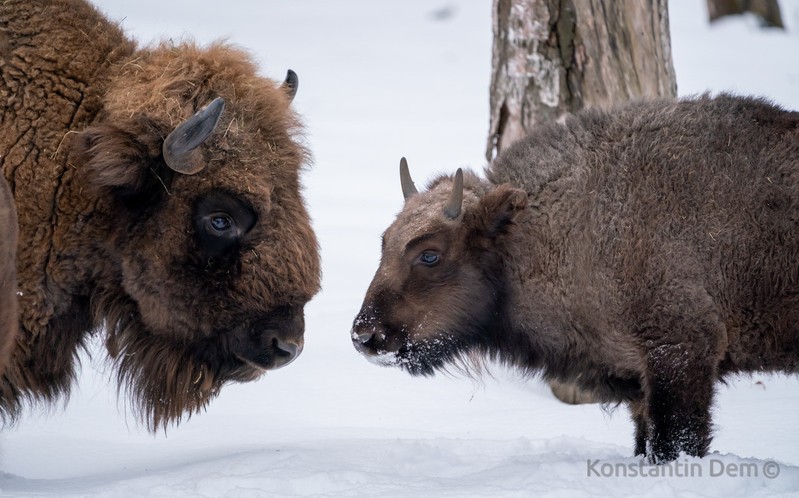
{"x":222,"y":222}
{"x":221,"y":219}
{"x":429,"y":258}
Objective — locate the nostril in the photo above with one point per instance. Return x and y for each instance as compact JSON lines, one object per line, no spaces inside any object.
{"x":364,"y":342}
{"x":362,"y":337}
{"x":285,"y":352}
{"x":284,"y":348}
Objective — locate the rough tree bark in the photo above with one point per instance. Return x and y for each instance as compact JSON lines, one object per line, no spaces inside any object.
{"x":553,"y":57}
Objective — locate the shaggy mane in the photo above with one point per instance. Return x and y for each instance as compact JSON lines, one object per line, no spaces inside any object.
{"x":164,"y":383}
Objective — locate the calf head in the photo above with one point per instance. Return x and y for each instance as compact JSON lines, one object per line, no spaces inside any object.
{"x":439,"y":287}
{"x":207,"y":256}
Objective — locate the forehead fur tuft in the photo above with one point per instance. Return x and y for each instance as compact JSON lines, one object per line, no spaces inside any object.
{"x":471,"y":181}
{"x":172,"y":81}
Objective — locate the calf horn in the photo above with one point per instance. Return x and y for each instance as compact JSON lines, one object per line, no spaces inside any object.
{"x":408,"y":189}
{"x":180,"y":147}
{"x":453,"y":207}
{"x":290,"y":84}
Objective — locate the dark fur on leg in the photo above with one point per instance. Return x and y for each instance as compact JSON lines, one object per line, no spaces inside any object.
{"x":681,"y":393}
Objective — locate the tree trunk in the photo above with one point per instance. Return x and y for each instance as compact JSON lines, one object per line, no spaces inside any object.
{"x":553,"y":57}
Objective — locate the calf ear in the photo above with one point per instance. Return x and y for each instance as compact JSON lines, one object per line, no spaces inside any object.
{"x":126,"y":162}
{"x":500,"y":207}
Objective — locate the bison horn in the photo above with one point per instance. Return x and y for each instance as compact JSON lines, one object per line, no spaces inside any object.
{"x":290,"y":84}
{"x":453,"y":207}
{"x":180,"y":147}
{"x":408,"y":189}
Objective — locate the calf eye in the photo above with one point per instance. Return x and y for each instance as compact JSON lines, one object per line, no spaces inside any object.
{"x":222,"y":222}
{"x":429,"y":258}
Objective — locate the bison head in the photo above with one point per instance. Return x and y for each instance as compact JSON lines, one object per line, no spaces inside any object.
{"x":205,"y":255}
{"x":439,"y":287}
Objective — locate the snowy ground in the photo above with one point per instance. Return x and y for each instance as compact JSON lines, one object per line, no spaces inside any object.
{"x":379,"y":80}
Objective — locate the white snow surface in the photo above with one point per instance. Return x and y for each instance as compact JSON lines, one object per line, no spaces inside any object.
{"x":381,"y":80}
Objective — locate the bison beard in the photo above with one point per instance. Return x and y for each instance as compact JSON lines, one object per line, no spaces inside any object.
{"x":165,"y":381}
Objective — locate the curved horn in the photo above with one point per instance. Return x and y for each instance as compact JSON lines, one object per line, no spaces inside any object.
{"x":408,"y":189}
{"x":453,"y":207}
{"x":290,"y":84}
{"x":180,"y":147}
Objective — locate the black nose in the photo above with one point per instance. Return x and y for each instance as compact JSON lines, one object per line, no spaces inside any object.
{"x":285,"y":352}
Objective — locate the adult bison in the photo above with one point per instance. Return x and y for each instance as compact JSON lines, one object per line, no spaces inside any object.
{"x":641,"y":254}
{"x":8,"y":274}
{"x":159,"y":201}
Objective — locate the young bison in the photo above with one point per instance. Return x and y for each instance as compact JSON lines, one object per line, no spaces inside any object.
{"x":642,"y":254}
{"x":159,"y":201}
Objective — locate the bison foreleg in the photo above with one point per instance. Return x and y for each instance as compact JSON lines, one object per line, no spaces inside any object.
{"x":640,"y":419}
{"x":680,"y":393}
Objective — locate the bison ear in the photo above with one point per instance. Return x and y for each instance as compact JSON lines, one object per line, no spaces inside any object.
{"x":500,"y":207}
{"x":128,"y":164}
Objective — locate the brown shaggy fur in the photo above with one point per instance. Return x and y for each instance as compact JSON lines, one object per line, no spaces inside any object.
{"x":8,"y":274}
{"x":108,"y":233}
{"x":643,"y":254}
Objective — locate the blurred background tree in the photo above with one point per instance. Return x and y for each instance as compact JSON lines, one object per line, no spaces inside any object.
{"x":552,"y":57}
